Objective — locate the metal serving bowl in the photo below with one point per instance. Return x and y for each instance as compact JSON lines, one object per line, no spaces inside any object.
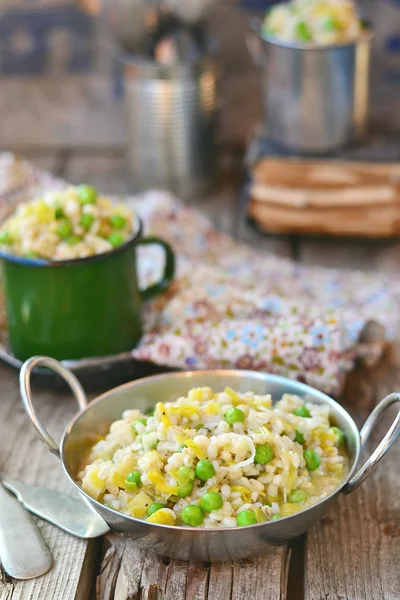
{"x":188,"y":543}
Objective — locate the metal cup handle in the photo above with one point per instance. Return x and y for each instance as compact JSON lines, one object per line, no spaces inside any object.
{"x":383,"y":447}
{"x":252,"y":39}
{"x":25,"y":389}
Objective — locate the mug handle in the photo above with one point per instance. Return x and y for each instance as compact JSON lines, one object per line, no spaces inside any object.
{"x":169,"y":269}
{"x":253,"y":43}
{"x":26,"y":394}
{"x":379,"y":452}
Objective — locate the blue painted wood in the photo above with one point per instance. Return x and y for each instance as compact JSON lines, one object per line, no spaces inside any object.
{"x":257,"y":5}
{"x":37,"y":41}
{"x":393,"y":43}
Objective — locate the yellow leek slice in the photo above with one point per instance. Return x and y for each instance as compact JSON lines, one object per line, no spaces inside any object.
{"x":158,"y":481}
{"x":197,"y":449}
{"x":164,"y":516}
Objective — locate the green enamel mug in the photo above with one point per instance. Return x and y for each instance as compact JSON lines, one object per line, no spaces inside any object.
{"x":79,"y":308}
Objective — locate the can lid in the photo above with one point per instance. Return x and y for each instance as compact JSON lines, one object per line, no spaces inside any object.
{"x":177,"y":58}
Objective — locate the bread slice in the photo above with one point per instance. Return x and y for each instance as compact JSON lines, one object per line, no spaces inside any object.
{"x":371,"y":221}
{"x":335,"y":197}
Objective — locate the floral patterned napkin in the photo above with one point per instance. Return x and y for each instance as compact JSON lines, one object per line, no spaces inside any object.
{"x":232,"y":306}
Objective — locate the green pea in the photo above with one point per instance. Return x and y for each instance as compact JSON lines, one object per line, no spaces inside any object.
{"x":116,"y":239}
{"x":134,"y":477}
{"x":59,"y":213}
{"x":154,"y":508}
{"x":73,"y":240}
{"x":330,"y":24}
{"x":234,"y":415}
{"x":246,"y":517}
{"x":297,"y":496}
{"x":340,"y":437}
{"x":312,"y":459}
{"x":205,"y":470}
{"x":299,"y":437}
{"x":199,"y":426}
{"x":86,"y":221}
{"x":108,"y":505}
{"x":64,"y":229}
{"x":192,"y":515}
{"x":269,"y":31}
{"x":264,"y":455}
{"x":6,"y":237}
{"x":87,"y":194}
{"x":185,"y":489}
{"x":117,"y":221}
{"x":142,"y":421}
{"x":211,"y":501}
{"x":186,"y":474}
{"x":303,"y":32}
{"x":275,"y":517}
{"x":302,"y":411}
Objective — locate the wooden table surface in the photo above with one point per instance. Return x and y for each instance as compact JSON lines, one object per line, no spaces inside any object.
{"x":352,"y":555}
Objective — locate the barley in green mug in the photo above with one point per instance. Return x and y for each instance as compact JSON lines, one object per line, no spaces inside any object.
{"x":69,"y":275}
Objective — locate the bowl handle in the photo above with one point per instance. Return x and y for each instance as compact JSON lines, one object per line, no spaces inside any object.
{"x":25,"y":389}
{"x":383,"y":447}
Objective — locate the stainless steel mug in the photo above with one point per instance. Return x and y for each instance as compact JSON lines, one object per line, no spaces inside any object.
{"x":315,"y":98}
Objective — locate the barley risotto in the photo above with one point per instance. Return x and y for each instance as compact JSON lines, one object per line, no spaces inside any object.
{"x":66,"y":224}
{"x":316,"y":22}
{"x":217,"y":460}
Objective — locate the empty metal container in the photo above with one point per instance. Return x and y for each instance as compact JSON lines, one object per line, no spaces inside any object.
{"x":315,"y":97}
{"x":171,"y":115}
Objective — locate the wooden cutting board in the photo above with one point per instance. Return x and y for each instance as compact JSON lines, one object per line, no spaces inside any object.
{"x":328,"y":197}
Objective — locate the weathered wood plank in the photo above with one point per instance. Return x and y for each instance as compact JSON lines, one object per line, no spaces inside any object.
{"x":24,"y":457}
{"x":197,"y":582}
{"x":77,"y":112}
{"x":262,"y":577}
{"x":128,"y":573}
{"x":63,"y":112}
{"x":354,"y":553}
{"x":220,"y":581}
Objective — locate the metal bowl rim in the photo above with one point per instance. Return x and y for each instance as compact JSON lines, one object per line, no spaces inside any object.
{"x":367,"y":36}
{"x":229,"y":372}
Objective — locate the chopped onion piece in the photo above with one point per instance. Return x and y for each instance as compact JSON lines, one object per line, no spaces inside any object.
{"x":248,"y":461}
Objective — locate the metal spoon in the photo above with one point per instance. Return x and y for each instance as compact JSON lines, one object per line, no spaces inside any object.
{"x":72,"y":515}
{"x":23,"y":551}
